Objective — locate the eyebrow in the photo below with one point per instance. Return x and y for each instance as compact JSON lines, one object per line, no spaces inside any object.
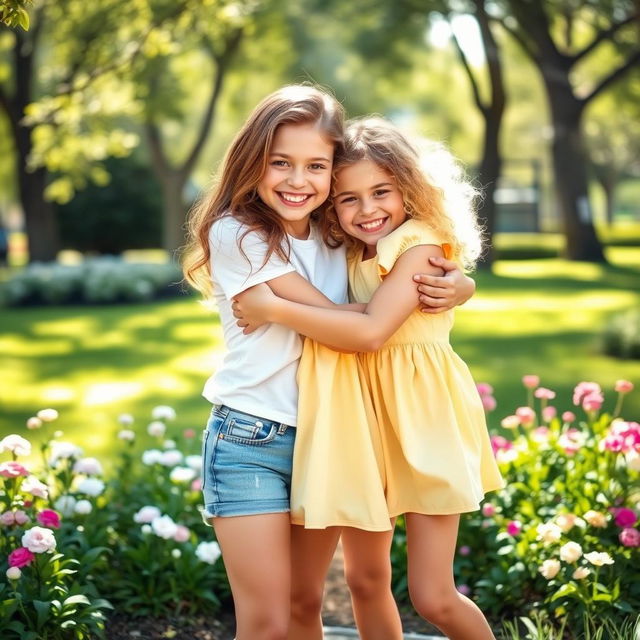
{"x":375,"y":186}
{"x":288,"y":157}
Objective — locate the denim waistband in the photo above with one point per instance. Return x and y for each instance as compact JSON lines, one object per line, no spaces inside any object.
{"x":223,"y":411}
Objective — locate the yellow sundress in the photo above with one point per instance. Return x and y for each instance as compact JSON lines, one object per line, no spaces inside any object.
{"x":426,"y":451}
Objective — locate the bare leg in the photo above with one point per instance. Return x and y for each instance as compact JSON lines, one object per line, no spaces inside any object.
{"x":256,"y":552}
{"x":431,"y":542}
{"x":311,"y":554}
{"x":368,"y":573}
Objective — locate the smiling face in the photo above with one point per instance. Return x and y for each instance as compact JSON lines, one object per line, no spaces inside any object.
{"x":298,"y":176}
{"x":368,"y":203}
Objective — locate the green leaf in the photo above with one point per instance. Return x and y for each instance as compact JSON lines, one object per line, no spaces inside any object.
{"x":565,"y":590}
{"x":23,"y":19}
{"x":43,"y":609}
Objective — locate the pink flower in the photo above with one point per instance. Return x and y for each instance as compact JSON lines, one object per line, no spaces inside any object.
{"x":514,"y":527}
{"x":623,"y":386}
{"x":624,"y":517}
{"x":189,"y":433}
{"x":21,"y":517}
{"x":464,"y":589}
{"x":531,"y":381}
{"x":622,"y":436}
{"x":7,"y":518}
{"x":49,"y":518}
{"x":489,"y":403}
{"x":592,"y":402}
{"x":182,"y":534}
{"x":544,"y":394}
{"x":583,"y":390}
{"x":20,"y":557}
{"x":568,"y":416}
{"x":630,"y":537}
{"x":196,"y":485}
{"x":39,"y":540}
{"x":510,"y":422}
{"x":464,"y":550}
{"x":541,"y":434}
{"x":527,"y":415}
{"x":488,"y":509}
{"x":549,"y":413}
{"x":13,"y":470}
{"x":484,"y":389}
{"x":498,"y":443}
{"x":571,"y":441}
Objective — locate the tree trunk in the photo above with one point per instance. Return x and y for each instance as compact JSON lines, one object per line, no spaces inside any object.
{"x":569,"y":161}
{"x":173,"y":209}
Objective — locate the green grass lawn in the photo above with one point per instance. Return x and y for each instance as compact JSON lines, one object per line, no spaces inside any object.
{"x":93,"y":363}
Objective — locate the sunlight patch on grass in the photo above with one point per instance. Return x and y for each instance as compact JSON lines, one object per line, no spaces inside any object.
{"x":108,"y":392}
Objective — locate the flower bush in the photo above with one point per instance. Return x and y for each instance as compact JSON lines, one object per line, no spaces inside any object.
{"x":74,"y":543}
{"x":94,"y":281}
{"x":563,"y":535}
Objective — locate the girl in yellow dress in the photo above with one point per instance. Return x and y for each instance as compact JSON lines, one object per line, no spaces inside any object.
{"x":425,"y":451}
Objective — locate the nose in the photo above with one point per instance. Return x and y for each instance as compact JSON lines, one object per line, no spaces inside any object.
{"x":368,"y":206}
{"x":296,"y":178}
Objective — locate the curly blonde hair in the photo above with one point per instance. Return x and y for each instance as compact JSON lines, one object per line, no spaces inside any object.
{"x":432,"y":184}
{"x":235,"y":191}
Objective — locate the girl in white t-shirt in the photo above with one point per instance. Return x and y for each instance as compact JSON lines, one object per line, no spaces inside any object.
{"x":264,"y":222}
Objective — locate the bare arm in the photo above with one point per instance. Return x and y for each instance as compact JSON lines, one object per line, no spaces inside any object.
{"x":392,"y":303}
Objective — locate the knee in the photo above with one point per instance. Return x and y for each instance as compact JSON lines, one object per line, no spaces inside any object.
{"x":366,"y":583}
{"x":436,"y":608}
{"x":263,"y":625}
{"x":306,"y":604}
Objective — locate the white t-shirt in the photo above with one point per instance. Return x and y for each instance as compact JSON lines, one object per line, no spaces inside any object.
{"x":258,"y":373}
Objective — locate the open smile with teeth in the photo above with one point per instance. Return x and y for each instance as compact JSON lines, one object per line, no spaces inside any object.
{"x":374,"y":225}
{"x":294,"y":198}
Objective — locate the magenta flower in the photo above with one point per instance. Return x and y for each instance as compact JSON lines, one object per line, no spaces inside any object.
{"x":514,"y":528}
{"x":464,"y":550}
{"x":13,"y":469}
{"x":544,"y":394}
{"x":49,"y":518}
{"x":624,"y":517}
{"x":630,"y":537}
{"x":464,"y":589}
{"x":531,"y":381}
{"x":488,"y":509}
{"x":21,"y":557}
{"x":499,"y":443}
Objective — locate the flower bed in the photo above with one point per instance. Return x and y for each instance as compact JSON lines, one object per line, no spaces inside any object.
{"x":74,"y":544}
{"x":562,"y":537}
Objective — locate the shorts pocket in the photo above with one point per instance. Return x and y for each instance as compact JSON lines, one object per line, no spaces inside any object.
{"x":247,"y":431}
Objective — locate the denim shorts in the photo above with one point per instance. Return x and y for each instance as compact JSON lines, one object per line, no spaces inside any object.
{"x":246,"y":464}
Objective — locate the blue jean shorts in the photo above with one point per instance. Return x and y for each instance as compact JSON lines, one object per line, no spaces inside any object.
{"x":246,"y":464}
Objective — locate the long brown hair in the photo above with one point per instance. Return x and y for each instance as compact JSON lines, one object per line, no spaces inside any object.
{"x":432,"y":184}
{"x":235,"y":191}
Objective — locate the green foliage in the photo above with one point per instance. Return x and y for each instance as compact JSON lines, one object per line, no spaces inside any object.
{"x":621,"y":337}
{"x":125,"y":214}
{"x":94,"y":281}
{"x":13,"y":13}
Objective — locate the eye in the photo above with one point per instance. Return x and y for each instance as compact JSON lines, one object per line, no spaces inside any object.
{"x":380,"y":193}
{"x":279,"y":163}
{"x":347,"y":200}
{"x":317,"y":167}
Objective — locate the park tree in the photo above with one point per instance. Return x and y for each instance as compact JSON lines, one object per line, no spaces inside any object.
{"x":14,"y":13}
{"x":560,"y":37}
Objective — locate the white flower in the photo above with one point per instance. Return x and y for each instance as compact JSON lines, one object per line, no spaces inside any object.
{"x":208,"y":552}
{"x":504,"y":456}
{"x":171,"y":458}
{"x":549,"y":569}
{"x":34,"y":423}
{"x":88,"y":466}
{"x":598,"y":558}
{"x":146,"y":529}
{"x":65,"y":505}
{"x":632,"y":458}
{"x":510,"y":422}
{"x":16,"y":444}
{"x":62,"y":451}
{"x":169,"y":444}
{"x":182,"y":474}
{"x":156,"y":429}
{"x":549,"y":532}
{"x":39,"y":540}
{"x":125,"y":419}
{"x":83,"y":507}
{"x":164,"y":527}
{"x":596,"y":518}
{"x":127,"y":434}
{"x":147,"y":514}
{"x":195,"y":462}
{"x":581,"y":573}
{"x":47,"y":415}
{"x":32,"y":485}
{"x":151,"y":456}
{"x":91,"y":486}
{"x":163,"y":412}
{"x":176,"y":553}
{"x":570,"y":552}
{"x":13,"y":573}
